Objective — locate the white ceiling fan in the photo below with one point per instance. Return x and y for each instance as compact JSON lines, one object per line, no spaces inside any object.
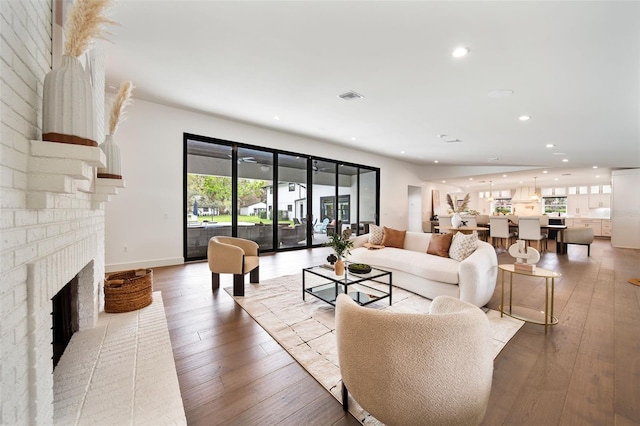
{"x":244,"y":159}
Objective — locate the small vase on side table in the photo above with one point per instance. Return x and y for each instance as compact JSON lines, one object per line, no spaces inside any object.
{"x":339,"y":268}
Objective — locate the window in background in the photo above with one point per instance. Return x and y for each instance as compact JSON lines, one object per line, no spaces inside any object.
{"x":554,"y":205}
{"x":502,"y":206}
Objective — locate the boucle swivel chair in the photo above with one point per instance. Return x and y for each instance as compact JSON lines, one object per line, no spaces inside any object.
{"x":237,"y":256}
{"x":416,"y":369}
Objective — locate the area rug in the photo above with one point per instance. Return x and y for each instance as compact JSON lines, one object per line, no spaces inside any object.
{"x":306,"y":329}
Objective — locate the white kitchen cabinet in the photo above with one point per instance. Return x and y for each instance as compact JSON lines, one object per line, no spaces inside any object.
{"x":606,"y":228}
{"x":597,"y":201}
{"x":578,"y":205}
{"x":596,"y":224}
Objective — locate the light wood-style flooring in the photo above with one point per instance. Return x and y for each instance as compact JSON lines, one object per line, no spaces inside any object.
{"x":585,"y":370}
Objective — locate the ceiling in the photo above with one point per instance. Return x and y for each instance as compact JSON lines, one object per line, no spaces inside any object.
{"x":573,"y":67}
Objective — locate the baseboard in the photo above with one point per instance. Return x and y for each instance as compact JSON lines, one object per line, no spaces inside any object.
{"x":115,"y":267}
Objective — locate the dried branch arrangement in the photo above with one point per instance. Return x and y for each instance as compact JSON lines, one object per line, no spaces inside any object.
{"x":123,"y":98}
{"x":462,"y":207}
{"x":86,"y":21}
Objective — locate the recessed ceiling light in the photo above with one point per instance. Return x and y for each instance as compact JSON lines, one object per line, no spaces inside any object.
{"x":444,"y":181}
{"x":504,"y":176}
{"x":549,"y":145}
{"x":275,"y":117}
{"x":565,"y":160}
{"x":401,"y":152}
{"x":555,"y":179}
{"x":470,"y":178}
{"x":594,"y":167}
{"x":597,"y":176}
{"x":460,"y":52}
{"x":524,"y":118}
{"x":500,"y":93}
{"x":353,"y":138}
{"x":545,"y":171}
{"x":435,"y":161}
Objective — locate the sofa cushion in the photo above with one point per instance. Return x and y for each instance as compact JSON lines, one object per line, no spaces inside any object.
{"x":439,"y":244}
{"x":435,"y":268}
{"x":375,"y":234}
{"x":463,"y":245}
{"x":393,"y":238}
{"x":417,"y":241}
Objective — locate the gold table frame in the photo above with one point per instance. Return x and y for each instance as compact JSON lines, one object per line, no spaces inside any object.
{"x":545,"y":317}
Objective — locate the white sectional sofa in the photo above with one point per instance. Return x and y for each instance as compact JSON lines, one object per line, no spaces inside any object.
{"x":472,"y":280}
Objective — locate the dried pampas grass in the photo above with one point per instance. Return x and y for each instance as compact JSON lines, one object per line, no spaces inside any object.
{"x":86,"y":21}
{"x":462,"y":207}
{"x":117,"y":111}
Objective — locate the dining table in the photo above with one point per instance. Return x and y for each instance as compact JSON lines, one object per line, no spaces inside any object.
{"x":483,"y":232}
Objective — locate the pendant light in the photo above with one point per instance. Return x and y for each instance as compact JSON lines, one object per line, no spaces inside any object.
{"x":536,"y":195}
{"x":490,"y":199}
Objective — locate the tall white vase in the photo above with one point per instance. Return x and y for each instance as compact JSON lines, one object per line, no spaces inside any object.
{"x":456,"y":220}
{"x":112,"y":152}
{"x":67,"y":107}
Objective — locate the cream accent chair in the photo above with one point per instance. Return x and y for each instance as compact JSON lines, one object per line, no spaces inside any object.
{"x":416,"y":369}
{"x":580,"y":236}
{"x":237,"y":256}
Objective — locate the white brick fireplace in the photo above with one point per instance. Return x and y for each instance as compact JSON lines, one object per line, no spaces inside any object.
{"x":51,"y":216}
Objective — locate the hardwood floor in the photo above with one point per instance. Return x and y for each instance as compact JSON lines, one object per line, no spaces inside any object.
{"x":585,"y":370}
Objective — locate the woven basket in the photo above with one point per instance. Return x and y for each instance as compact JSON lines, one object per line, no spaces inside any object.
{"x":127,"y":291}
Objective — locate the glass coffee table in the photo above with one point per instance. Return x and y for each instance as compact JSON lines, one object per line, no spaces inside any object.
{"x":364,"y":288}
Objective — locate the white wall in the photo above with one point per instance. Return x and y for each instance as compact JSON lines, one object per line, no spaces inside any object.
{"x":144,"y":222}
{"x":625,"y":208}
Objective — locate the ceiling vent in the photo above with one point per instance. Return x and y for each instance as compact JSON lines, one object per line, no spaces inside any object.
{"x":349,"y":96}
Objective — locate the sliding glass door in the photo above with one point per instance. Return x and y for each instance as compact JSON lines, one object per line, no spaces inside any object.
{"x":254,"y":206}
{"x":292,"y":201}
{"x":280,"y":200}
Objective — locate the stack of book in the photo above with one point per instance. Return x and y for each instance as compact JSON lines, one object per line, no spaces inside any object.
{"x":524,"y":267}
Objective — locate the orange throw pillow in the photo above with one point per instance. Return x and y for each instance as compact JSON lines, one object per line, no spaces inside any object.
{"x":439,"y":244}
{"x":393,"y":238}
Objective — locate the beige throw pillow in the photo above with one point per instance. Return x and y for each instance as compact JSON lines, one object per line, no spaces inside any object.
{"x":439,"y":244}
{"x":393,"y":237}
{"x":375,"y":234}
{"x":463,"y":245}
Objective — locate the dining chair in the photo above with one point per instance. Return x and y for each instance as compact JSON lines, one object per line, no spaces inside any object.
{"x":470,"y":220}
{"x":544,"y":221}
{"x":444,"y":221}
{"x":499,"y":231}
{"x":529,"y":230}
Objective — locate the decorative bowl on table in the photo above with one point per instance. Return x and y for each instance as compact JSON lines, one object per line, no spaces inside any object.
{"x":359,"y":268}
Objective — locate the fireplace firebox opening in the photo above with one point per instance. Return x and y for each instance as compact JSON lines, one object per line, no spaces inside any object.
{"x":64,"y":317}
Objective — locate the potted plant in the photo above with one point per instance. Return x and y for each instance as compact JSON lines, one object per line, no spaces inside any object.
{"x":341,"y":246}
